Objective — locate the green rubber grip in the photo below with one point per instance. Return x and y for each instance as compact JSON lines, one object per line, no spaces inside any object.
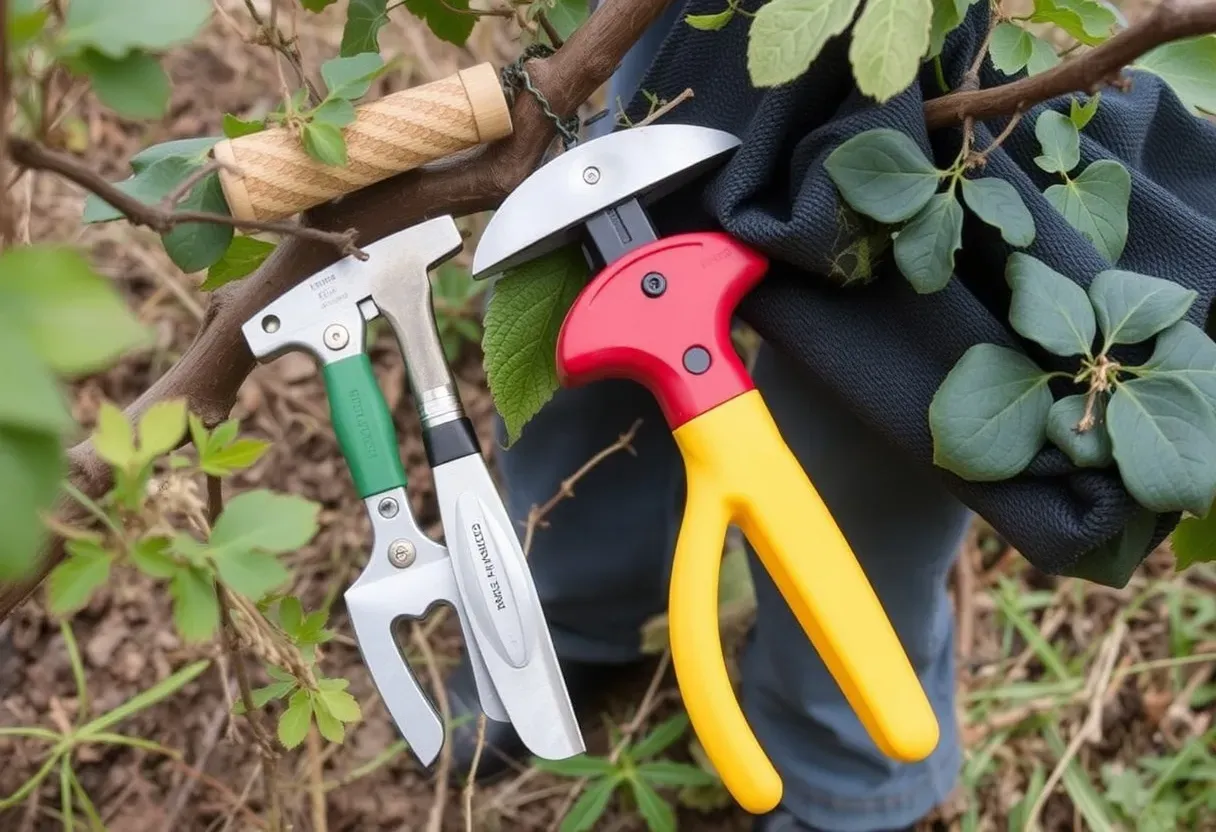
{"x":363,"y":425}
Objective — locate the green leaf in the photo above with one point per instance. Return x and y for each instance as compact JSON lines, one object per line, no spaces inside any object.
{"x":524,"y":317}
{"x":883,"y":174}
{"x":317,"y":5}
{"x":73,"y":581}
{"x":252,"y":574}
{"x":1060,"y":141}
{"x":261,"y":696}
{"x":32,"y":397}
{"x":989,"y":417}
{"x":1095,"y":203}
{"x":364,"y":20}
{"x":243,"y":256}
{"x":1042,"y":56}
{"x":448,"y":19}
{"x":151,"y":556}
{"x":661,"y":737}
{"x":786,"y":36}
{"x":161,"y":428}
{"x":134,"y":86}
{"x":351,"y":77}
{"x":924,"y":248}
{"x":74,"y":318}
{"x":565,"y":15}
{"x":888,"y":41}
{"x":658,"y":815}
{"x":113,"y":439}
{"x":115,"y":27}
{"x":1189,"y":67}
{"x":1048,"y":308}
{"x":31,"y":466}
{"x":26,"y":20}
{"x":947,"y":15}
{"x":195,"y":246}
{"x":1011,"y":48}
{"x":264,"y":521}
{"x":581,"y":765}
{"x":670,"y":773}
{"x":590,"y":806}
{"x":328,"y":725}
{"x":710,"y":22}
{"x":325,"y":143}
{"x":1089,"y":448}
{"x":145,"y":699}
{"x":1194,"y":541}
{"x":1082,"y":114}
{"x":1163,"y":435}
{"x":291,"y":615}
{"x":341,"y":705}
{"x":235,"y":127}
{"x":150,"y":185}
{"x":196,"y":610}
{"x":337,"y":112}
{"x":293,"y":723}
{"x":221,"y":462}
{"x":1185,"y":352}
{"x":997,"y":203}
{"x":1086,"y":20}
{"x":1134,"y":307}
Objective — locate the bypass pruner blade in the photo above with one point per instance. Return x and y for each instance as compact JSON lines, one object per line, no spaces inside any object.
{"x":407,"y":573}
{"x":505,"y":614}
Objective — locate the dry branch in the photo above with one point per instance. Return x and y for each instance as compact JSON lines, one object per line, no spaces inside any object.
{"x":215,"y":365}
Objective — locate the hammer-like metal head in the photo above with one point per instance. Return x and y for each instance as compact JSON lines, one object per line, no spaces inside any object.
{"x":325,"y":314}
{"x":622,"y":171}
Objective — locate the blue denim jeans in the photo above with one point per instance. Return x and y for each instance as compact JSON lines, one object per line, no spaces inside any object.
{"x":602,"y":564}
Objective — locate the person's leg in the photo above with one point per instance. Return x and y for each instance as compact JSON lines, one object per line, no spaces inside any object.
{"x":905,"y":530}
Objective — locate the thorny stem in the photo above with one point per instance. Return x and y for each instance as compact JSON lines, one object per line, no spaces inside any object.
{"x":215,"y":504}
{"x":34,"y":156}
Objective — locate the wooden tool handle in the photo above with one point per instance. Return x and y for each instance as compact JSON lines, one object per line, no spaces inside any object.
{"x":271,"y":176}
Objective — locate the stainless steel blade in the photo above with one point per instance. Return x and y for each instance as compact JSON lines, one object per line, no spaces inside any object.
{"x":547,"y":209}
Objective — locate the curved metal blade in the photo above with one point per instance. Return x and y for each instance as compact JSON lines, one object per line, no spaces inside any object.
{"x":545,"y":211}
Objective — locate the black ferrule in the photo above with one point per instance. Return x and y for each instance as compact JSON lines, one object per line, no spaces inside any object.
{"x":451,"y":440}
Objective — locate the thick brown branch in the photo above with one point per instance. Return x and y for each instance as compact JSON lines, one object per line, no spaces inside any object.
{"x":159,"y":218}
{"x":215,"y":365}
{"x":1171,"y":20}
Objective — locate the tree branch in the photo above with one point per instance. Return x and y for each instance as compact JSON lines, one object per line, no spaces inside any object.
{"x":213,"y":367}
{"x":1171,"y":20}
{"x":163,"y":218}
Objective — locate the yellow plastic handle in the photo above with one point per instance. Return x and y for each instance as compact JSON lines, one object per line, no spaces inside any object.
{"x":740,"y":471}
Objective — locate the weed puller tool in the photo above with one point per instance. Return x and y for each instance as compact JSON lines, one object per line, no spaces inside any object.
{"x":407,"y":573}
{"x":658,"y":312}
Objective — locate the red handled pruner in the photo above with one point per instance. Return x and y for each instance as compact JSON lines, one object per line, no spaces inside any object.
{"x":658,"y":312}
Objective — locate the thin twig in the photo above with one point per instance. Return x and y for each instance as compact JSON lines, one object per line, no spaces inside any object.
{"x":979,"y":158}
{"x":269,"y":35}
{"x":211,"y":736}
{"x":444,"y":770}
{"x":666,"y":108}
{"x":550,"y":30}
{"x":470,"y":782}
{"x":35,"y":156}
{"x":186,"y":185}
{"x":316,"y":782}
{"x":964,"y":589}
{"x":215,"y":504}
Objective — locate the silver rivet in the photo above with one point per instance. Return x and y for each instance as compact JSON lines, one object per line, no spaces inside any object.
{"x":591,"y":175}
{"x":270,"y":324}
{"x":401,"y":553}
{"x":388,"y":508}
{"x":336,"y":336}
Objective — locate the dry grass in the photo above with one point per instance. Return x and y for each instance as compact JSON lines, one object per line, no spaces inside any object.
{"x":1059,"y":682}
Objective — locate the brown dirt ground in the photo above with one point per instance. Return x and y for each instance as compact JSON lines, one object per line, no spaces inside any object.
{"x":128,"y":643}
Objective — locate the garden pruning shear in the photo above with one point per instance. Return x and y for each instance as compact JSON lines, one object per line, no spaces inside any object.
{"x":481,"y":572}
{"x":658,"y":312}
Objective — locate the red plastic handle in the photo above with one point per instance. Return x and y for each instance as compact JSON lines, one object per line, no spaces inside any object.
{"x":660,"y":315}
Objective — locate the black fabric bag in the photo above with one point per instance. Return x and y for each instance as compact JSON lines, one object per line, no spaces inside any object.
{"x":882,"y":347}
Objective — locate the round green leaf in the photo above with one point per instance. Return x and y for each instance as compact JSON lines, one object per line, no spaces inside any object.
{"x":31,"y":465}
{"x":1048,"y":308}
{"x":1134,"y":307}
{"x":73,"y":581}
{"x":1043,"y":56}
{"x":134,"y":86}
{"x":1095,"y":203}
{"x":924,"y":248}
{"x":265,"y":521}
{"x":989,"y":417}
{"x":1010,"y":48}
{"x":786,"y":36}
{"x":1189,"y":67}
{"x":196,"y":246}
{"x":294,"y":721}
{"x":1194,"y":541}
{"x":325,"y":143}
{"x":997,"y":203}
{"x":1163,"y":435}
{"x":115,"y":27}
{"x":350,"y":77}
{"x":1185,"y":351}
{"x":196,"y":610}
{"x":1060,"y":141}
{"x":889,"y":38}
{"x":883,"y":174}
{"x":1088,"y":448}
